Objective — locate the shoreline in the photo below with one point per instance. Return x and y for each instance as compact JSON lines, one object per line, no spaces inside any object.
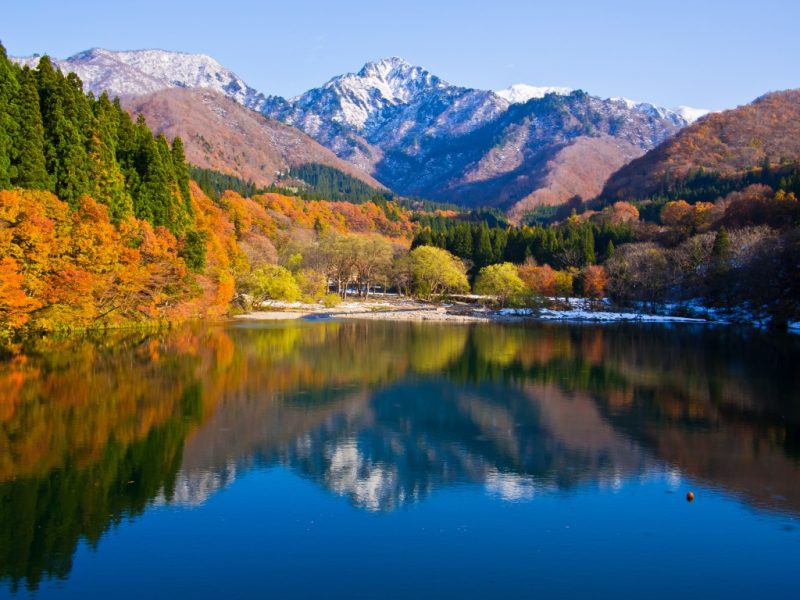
{"x":414,"y":311}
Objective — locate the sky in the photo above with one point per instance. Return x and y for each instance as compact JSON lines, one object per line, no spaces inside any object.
{"x":712,"y":54}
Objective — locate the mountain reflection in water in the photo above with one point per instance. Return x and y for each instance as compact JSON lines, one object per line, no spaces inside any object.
{"x":95,"y":430}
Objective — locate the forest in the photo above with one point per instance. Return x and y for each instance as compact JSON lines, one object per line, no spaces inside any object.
{"x":104,"y":224}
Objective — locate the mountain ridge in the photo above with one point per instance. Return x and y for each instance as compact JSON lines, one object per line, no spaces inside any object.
{"x":406,"y":127}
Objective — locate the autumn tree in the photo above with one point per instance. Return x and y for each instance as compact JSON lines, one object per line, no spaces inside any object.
{"x":372,"y":260}
{"x":436,"y":272}
{"x":540,"y":280}
{"x":15,"y":304}
{"x":592,"y":281}
{"x":501,"y":281}
{"x":272,"y":282}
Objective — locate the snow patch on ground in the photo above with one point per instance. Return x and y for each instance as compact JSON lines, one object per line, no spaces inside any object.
{"x":573,"y":314}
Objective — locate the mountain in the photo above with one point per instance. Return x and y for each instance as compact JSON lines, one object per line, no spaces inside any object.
{"x":419,"y":135}
{"x":220,"y":134}
{"x":516,"y":149}
{"x":729,"y":144}
{"x":388,"y":104}
{"x":140,"y":72}
{"x":542,"y":152}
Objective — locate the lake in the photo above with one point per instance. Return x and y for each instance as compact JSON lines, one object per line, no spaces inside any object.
{"x":380,"y":460}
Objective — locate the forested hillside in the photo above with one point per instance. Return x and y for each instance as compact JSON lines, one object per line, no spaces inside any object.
{"x":101,"y":225}
{"x":721,"y":153}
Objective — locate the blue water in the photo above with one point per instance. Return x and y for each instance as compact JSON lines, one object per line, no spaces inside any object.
{"x":276,"y":534}
{"x":489,"y":462}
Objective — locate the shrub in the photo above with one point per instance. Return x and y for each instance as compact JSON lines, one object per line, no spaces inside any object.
{"x":272,"y":282}
{"x":331,"y":300}
{"x":501,"y":281}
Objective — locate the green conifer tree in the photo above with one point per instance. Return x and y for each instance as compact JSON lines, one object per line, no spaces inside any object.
{"x":610,"y":249}
{"x":30,"y":167}
{"x":181,"y":169}
{"x":589,"y":257}
{"x":482,"y":251}
{"x":108,"y":183}
{"x":65,"y":142}
{"x":8,"y":93}
{"x":720,"y":284}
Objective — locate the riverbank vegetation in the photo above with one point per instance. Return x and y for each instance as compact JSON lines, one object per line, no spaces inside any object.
{"x":102,"y":224}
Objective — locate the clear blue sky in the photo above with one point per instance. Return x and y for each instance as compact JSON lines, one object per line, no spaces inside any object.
{"x":704,"y":53}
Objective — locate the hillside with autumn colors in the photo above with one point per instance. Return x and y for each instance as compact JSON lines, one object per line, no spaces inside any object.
{"x":718,"y":153}
{"x":100,"y":224}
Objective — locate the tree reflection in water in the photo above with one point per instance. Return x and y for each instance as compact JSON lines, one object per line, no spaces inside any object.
{"x":93,"y":430}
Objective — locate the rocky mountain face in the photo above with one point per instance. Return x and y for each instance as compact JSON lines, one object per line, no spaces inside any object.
{"x":419,"y":135}
{"x":730,"y":143}
{"x":387,"y":105}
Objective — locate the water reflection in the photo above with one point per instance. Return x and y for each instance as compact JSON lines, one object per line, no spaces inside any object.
{"x":94,"y":430}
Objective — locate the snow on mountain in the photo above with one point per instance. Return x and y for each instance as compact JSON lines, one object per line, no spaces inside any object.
{"x":139,"y":72}
{"x":387,"y":104}
{"x":690,"y":115}
{"x":354,"y":99}
{"x":682,"y":115}
{"x":521,"y":92}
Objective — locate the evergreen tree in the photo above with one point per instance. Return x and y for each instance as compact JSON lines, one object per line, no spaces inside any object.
{"x":423,"y":238}
{"x":181,"y":170}
{"x":8,"y":92}
{"x":610,"y":249}
{"x":721,"y":250}
{"x":108,"y":183}
{"x":482,"y":253}
{"x":588,"y":246}
{"x":30,"y":167}
{"x":720,"y":268}
{"x":462,"y":241}
{"x":153,"y":199}
{"x":65,"y":143}
{"x":499,"y":240}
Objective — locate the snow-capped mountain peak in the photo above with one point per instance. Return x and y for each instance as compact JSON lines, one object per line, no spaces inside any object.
{"x":383,"y":67}
{"x":520,"y":93}
{"x":357,"y":100}
{"x":139,"y":72}
{"x":393,"y":79}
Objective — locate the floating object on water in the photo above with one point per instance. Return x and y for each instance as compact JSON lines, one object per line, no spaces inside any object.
{"x":690,"y":497}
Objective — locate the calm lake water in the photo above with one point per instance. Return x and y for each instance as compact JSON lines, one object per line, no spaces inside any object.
{"x":380,"y":460}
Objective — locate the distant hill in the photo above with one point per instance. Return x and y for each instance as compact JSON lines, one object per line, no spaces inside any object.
{"x":717,"y":152}
{"x":222,"y":135}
